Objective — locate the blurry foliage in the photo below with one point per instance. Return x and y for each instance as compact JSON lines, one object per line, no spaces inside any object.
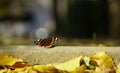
{"x":4,"y":7}
{"x":10,"y":9}
{"x":16,"y":41}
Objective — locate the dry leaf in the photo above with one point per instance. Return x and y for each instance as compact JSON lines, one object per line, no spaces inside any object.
{"x":45,"y":69}
{"x":103,"y":60}
{"x":69,"y":65}
{"x":20,"y":65}
{"x":8,"y":60}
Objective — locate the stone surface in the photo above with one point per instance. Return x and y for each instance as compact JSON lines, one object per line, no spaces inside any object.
{"x":39,"y":55}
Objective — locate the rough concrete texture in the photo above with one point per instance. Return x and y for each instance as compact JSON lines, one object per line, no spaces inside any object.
{"x":39,"y":55}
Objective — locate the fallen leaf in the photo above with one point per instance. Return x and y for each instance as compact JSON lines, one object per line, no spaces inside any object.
{"x":8,"y":60}
{"x":69,"y":65}
{"x":103,"y":60}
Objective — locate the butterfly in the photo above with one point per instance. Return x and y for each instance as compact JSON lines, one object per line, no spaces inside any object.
{"x":47,"y":42}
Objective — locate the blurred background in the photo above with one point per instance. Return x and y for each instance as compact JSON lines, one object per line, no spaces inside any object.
{"x":75,"y":22}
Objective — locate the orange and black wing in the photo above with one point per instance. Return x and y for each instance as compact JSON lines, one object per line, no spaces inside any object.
{"x":40,"y":42}
{"x":53,"y":41}
{"x":47,"y":43}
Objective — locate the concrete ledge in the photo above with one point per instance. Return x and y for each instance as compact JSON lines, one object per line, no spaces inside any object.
{"x":39,"y":55}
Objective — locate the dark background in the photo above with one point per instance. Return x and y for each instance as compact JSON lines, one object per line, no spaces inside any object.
{"x":71,"y":19}
{"x":85,"y":18}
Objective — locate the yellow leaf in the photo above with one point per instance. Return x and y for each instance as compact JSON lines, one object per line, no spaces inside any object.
{"x":45,"y":69}
{"x":8,"y":60}
{"x":103,"y":70}
{"x":69,"y":65}
{"x":80,"y":69}
{"x":103,"y":60}
{"x":117,"y":71}
{"x":118,"y":68}
{"x":18,"y":69}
